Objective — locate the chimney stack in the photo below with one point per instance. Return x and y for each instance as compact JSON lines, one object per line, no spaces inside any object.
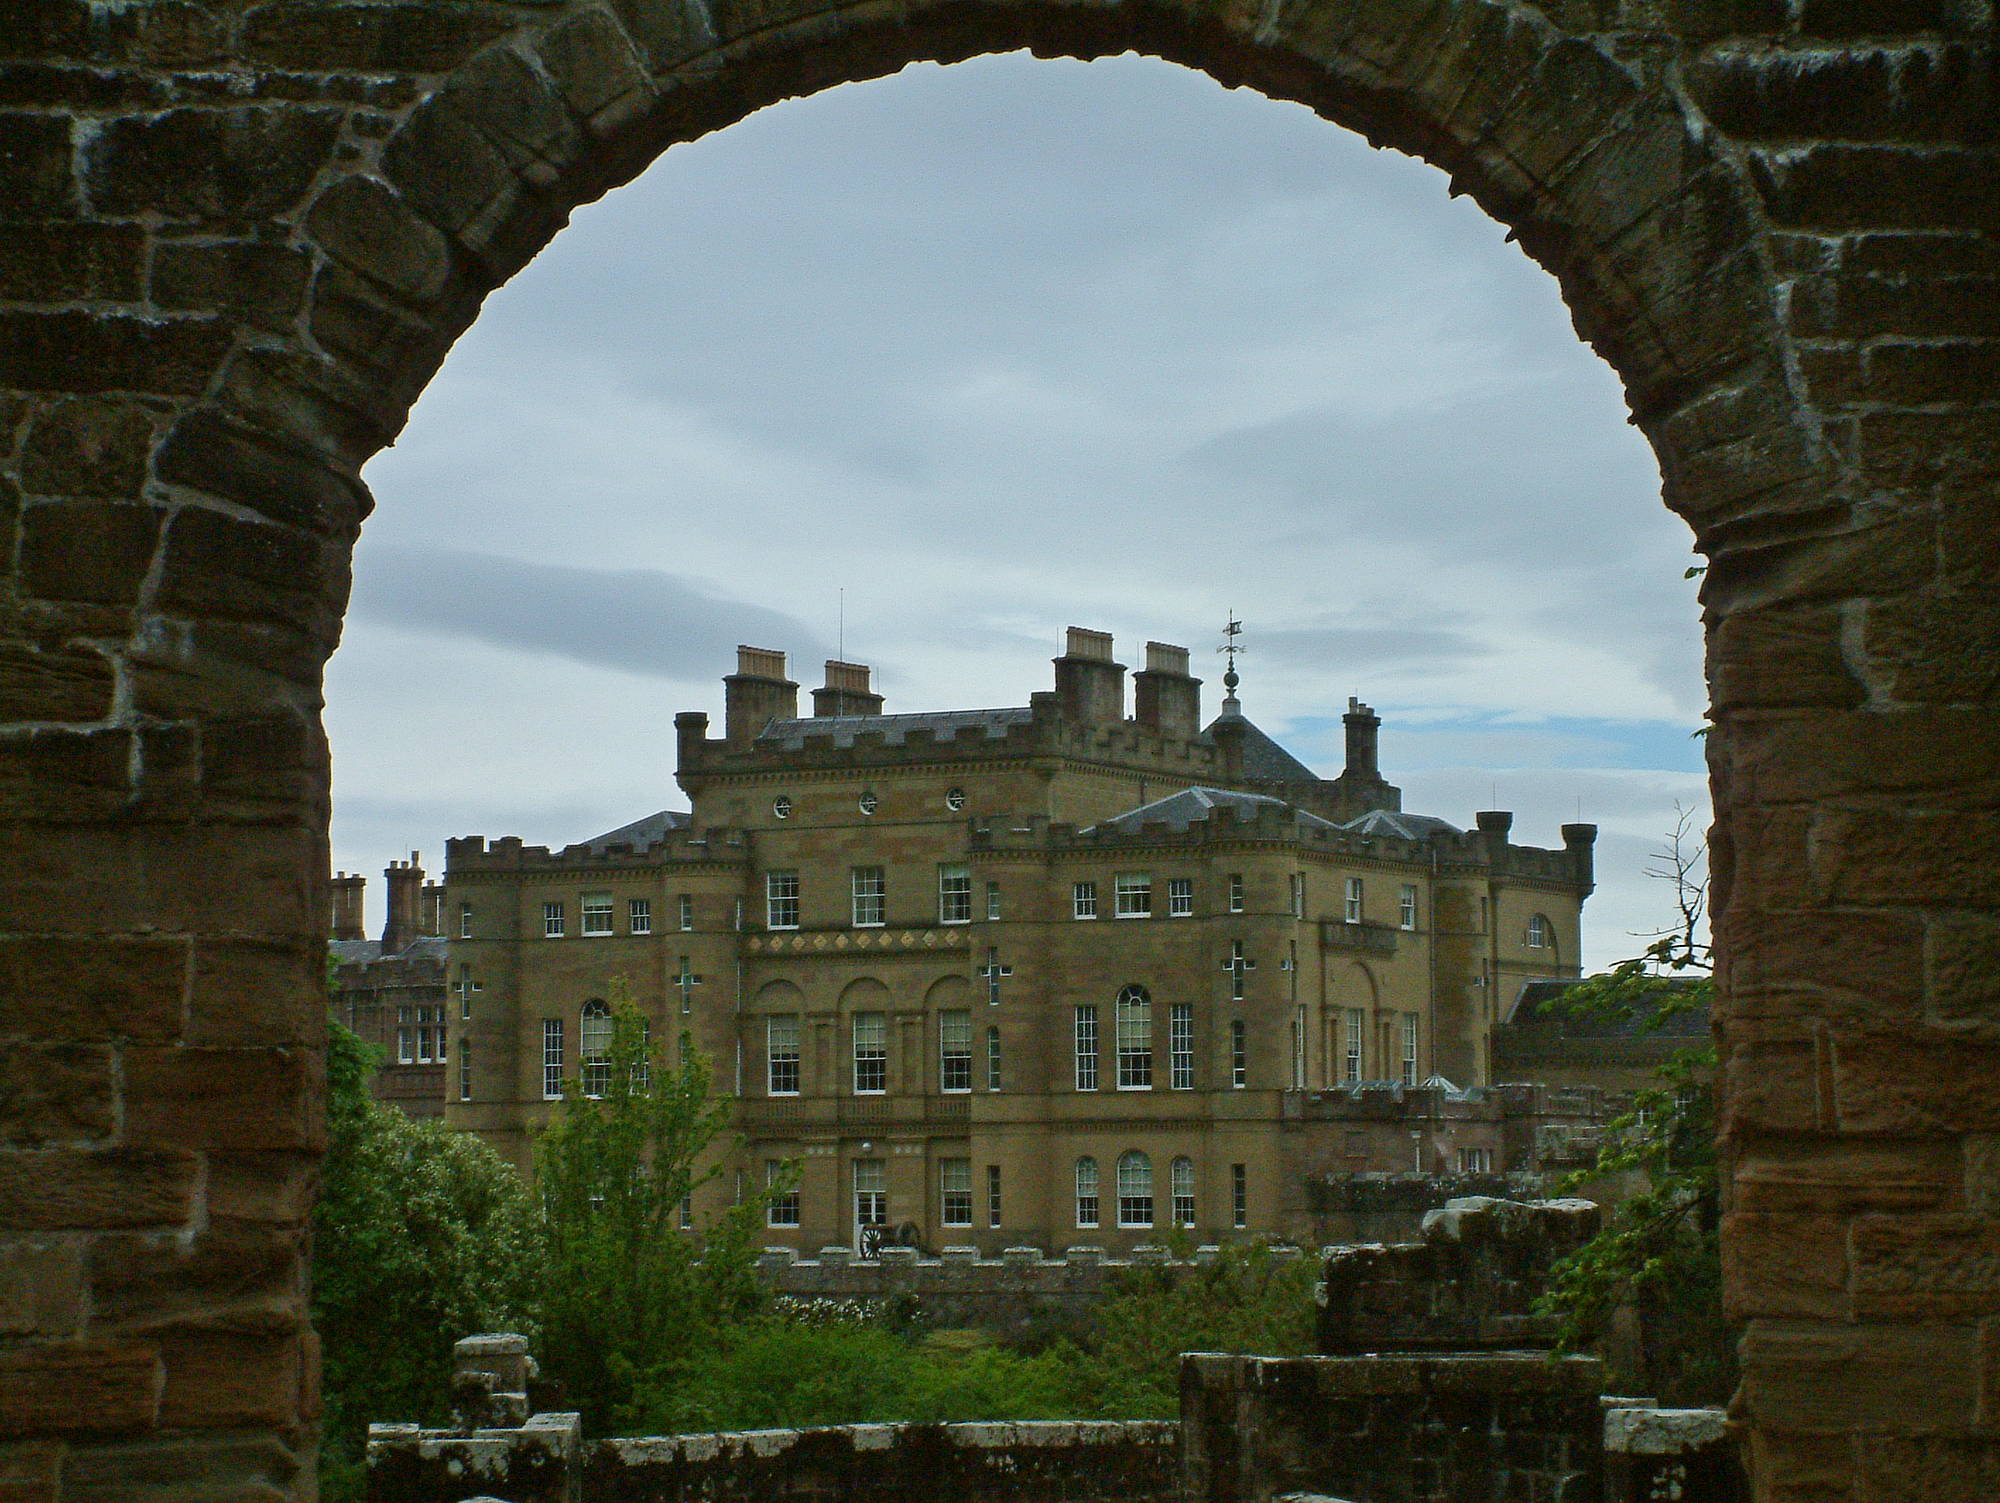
{"x":1090,"y":685}
{"x":406,"y":882}
{"x":346,"y":921}
{"x":1364,"y":728}
{"x":430,"y":911}
{"x":846,"y":691}
{"x":1165,"y":699}
{"x":756,"y":694}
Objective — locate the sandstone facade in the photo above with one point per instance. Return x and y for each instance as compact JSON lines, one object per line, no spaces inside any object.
{"x":239,"y":239}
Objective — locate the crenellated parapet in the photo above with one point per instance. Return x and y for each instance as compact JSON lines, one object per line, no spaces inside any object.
{"x":474,"y":854}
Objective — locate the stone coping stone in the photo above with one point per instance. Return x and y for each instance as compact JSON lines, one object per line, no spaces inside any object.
{"x":1663,"y":1432}
{"x":1451,"y":1372}
{"x":975,"y":1435}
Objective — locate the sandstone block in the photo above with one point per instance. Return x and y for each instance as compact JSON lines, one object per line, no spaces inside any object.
{"x":228,"y":1271}
{"x":1926,"y":1469}
{"x":92,"y":989}
{"x":222,"y":1098}
{"x":220,"y":565}
{"x":1785,"y":1267}
{"x":1779,"y":657}
{"x":205,"y":165}
{"x":1923,"y":93}
{"x":1869,"y":307}
{"x":434,"y":36}
{"x":1938,"y":649}
{"x":89,"y":1189}
{"x":1892,"y":857}
{"x":61,"y":684}
{"x":215,"y":1378}
{"x":41,"y":1289}
{"x":1912,"y":1082}
{"x":1873,"y":1377}
{"x":591,"y":62}
{"x":52,"y":774}
{"x":292,"y":1007}
{"x":365,"y":226}
{"x":265,"y":1186}
{"x":31,"y":1471}
{"x":88,"y":446}
{"x":262,"y":284}
{"x":1881,"y":18}
{"x":517,"y":111}
{"x":96,"y":552}
{"x":447,"y":170}
{"x":1853,"y":187}
{"x":271,"y":477}
{"x":1925,"y":1267}
{"x":79,"y":1388}
{"x":89,"y":352}
{"x":1962,"y":968}
{"x":71,"y":262}
{"x":35,"y":176}
{"x":55,"y":1093}
{"x":1831,"y":1176}
{"x":1811,"y":964}
{"x":351,"y":320}
{"x":667,"y":34}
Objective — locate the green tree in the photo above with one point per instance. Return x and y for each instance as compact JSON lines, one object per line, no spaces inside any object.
{"x":1658,"y":1254}
{"x":421,"y":1236}
{"x":633,"y":1295}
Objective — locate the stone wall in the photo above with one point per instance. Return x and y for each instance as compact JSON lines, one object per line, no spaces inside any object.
{"x":1471,"y":1283}
{"x":240,"y":237}
{"x":545,"y":1461}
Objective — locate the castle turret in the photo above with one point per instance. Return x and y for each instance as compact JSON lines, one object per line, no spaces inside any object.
{"x":1090,"y":685}
{"x":1581,"y":842}
{"x":1165,"y":699}
{"x":756,"y":694}
{"x":846,"y":691}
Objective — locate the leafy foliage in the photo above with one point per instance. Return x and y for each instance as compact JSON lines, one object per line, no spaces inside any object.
{"x":630,"y":1296}
{"x":1658,"y":1254}
{"x":421,"y":1236}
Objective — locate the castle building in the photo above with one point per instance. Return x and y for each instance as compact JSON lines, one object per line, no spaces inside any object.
{"x":391,"y":991}
{"x":1044,"y":974}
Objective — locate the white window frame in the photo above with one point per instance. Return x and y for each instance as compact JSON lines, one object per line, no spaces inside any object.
{"x":1132,"y":895}
{"x":1236,"y":892}
{"x":993,"y":1202}
{"x":1086,"y":1046}
{"x":685,"y":905}
{"x":1298,"y":895}
{"x":871,"y":1059}
{"x":1357,"y":1028}
{"x":594,"y":1025}
{"x":781,"y":900}
{"x":639,"y":915}
{"x":594,"y":911}
{"x":1083,"y":900}
{"x":1409,"y":1048}
{"x":552,"y":1059}
{"x":869,"y":888}
{"x":955,"y":1192}
{"x":954,"y":894}
{"x":1353,"y":906}
{"x":1180,"y":1183}
{"x":1239,"y":1196}
{"x":1088,"y":1206}
{"x":555,"y":919}
{"x":955,"y":1052}
{"x":1180,"y":1046}
{"x":1475,"y":1161}
{"x":1406,"y":907}
{"x":1539,"y":931}
{"x":992,"y":902}
{"x":1132,"y":1018}
{"x":1135,"y":1189}
{"x":1180,"y":897}
{"x":464,"y":1069}
{"x":780,"y":1210}
{"x":783,"y":1060}
{"x":465,"y":921}
{"x":993,"y":1057}
{"x":1239,"y":1054}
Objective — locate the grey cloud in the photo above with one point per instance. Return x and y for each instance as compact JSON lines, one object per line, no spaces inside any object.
{"x":641,"y":621}
{"x":1358,"y":647}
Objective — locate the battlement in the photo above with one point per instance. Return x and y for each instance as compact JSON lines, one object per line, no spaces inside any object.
{"x":508,"y":853}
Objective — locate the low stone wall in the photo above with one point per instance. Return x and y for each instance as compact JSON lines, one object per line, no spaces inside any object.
{"x":545,"y":1461}
{"x":1018,"y":1292}
{"x":1393,"y":1429}
{"x":1052,"y":1461}
{"x":1671,"y":1456}
{"x":1471,"y":1283}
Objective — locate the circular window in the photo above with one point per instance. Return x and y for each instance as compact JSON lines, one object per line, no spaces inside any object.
{"x":782,"y":806}
{"x":954,"y":799}
{"x":868,"y":803}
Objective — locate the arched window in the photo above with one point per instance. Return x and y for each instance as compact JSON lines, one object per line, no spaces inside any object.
{"x":1135,"y":1189}
{"x":1086,"y":1191}
{"x":1135,"y":1039}
{"x":594,"y":1046}
{"x":1182,"y":1174}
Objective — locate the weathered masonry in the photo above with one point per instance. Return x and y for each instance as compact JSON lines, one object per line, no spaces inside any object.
{"x":240,"y":237}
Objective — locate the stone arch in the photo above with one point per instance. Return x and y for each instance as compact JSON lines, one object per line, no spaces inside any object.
{"x":948,"y":991}
{"x":865,"y":994}
{"x":779,"y":996}
{"x":217,"y":304}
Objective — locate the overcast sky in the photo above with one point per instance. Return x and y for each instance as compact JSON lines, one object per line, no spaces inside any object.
{"x":998,"y":349}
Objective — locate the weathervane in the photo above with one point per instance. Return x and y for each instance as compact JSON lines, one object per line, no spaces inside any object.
{"x":1230,"y":679}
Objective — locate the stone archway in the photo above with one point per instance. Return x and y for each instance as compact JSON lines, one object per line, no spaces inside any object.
{"x":239,"y":240}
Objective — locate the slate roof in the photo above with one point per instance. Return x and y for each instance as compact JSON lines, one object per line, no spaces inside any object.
{"x":1192,"y":805}
{"x":943,"y":724}
{"x":1263,"y":759}
{"x":1402,"y":826}
{"x":367,"y":951}
{"x":1527,"y":1018}
{"x":640,"y":833}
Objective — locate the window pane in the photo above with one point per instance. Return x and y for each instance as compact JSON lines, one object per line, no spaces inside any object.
{"x":781,"y":900}
{"x":1133,"y":892}
{"x":1135,"y":1190}
{"x":1135,"y":1039}
{"x":1183,"y":1188}
{"x":1180,"y":1046}
{"x":871,"y":889}
{"x":552,"y":1058}
{"x":1086,"y":1192}
{"x":871,"y":1052}
{"x":954,"y":895}
{"x":596,"y":913}
{"x":955,"y":1051}
{"x":1086,"y":1046}
{"x":639,"y":915}
{"x":1180,"y":897}
{"x":781,"y":1037}
{"x":1083,"y":900}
